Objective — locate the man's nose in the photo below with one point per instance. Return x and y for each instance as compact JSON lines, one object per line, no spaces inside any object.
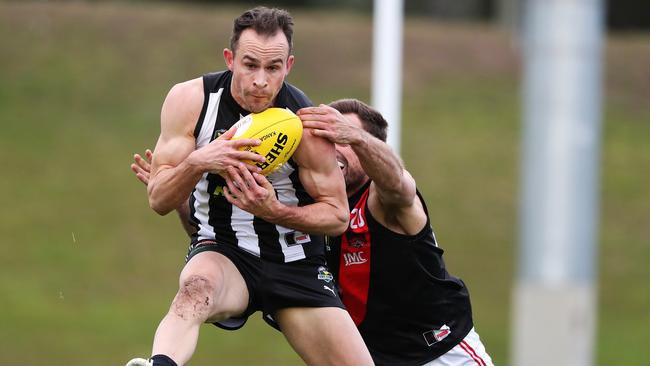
{"x":260,"y":81}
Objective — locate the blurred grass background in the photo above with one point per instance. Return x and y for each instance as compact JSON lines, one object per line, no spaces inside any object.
{"x":87,"y":270}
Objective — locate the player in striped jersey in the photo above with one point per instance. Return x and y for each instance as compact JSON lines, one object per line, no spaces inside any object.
{"x":241,"y":263}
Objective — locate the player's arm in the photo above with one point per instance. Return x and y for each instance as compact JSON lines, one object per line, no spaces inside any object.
{"x":176,"y":166}
{"x":173,"y":174}
{"x":141,"y":167}
{"x":322,"y":179}
{"x":393,"y":198}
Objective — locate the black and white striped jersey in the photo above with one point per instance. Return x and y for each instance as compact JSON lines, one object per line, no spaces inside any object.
{"x":217,"y":220}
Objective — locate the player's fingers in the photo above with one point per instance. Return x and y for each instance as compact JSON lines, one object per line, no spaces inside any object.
{"x":237,"y":178}
{"x":325,"y":134}
{"x":228,"y":134}
{"x":247,"y":155}
{"x":310,"y":110}
{"x":262,"y":181}
{"x":252,"y":168}
{"x":314,"y":117}
{"x":142,"y":163}
{"x":231,"y":180}
{"x":143,"y":178}
{"x":230,"y":197}
{"x":246,"y":175}
{"x":245,"y":142}
{"x":315,"y":124}
{"x":138,"y":170}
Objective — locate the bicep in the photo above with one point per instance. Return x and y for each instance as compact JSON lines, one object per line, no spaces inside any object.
{"x":178,"y":117}
{"x":319,"y":172}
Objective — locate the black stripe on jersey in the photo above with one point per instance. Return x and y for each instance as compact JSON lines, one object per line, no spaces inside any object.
{"x":269,"y":240}
{"x":220,"y":211}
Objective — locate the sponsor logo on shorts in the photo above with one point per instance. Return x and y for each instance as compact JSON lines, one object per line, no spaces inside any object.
{"x":436,"y":335}
{"x":325,"y":275}
{"x":330,"y":289}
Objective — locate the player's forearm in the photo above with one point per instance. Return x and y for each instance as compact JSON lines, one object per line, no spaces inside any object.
{"x":170,"y":187}
{"x":382,"y":165}
{"x":317,"y":218}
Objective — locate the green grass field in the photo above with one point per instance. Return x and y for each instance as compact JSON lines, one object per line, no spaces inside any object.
{"x":88,"y":270}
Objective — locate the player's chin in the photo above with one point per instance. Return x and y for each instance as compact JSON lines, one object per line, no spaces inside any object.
{"x":257,"y":106}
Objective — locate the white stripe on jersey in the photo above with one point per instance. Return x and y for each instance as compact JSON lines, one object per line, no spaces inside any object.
{"x":207,"y":127}
{"x":201,"y":195}
{"x":242,"y":224}
{"x":201,"y":208}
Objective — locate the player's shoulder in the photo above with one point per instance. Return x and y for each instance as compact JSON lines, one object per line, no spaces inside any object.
{"x":187,"y":89}
{"x":183,"y":104}
{"x":293,"y":98}
{"x":313,"y":150}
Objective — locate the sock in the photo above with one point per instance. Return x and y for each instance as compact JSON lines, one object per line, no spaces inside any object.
{"x":162,"y":360}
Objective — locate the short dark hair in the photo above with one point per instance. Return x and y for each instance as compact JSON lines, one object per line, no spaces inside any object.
{"x":371,"y":120}
{"x":265,"y":21}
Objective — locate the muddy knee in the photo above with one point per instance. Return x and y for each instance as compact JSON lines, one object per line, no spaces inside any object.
{"x":195,"y":298}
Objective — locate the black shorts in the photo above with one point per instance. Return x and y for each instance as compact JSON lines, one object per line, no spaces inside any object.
{"x":274,"y":286}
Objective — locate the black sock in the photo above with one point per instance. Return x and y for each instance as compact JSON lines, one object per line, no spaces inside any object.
{"x":162,"y":360}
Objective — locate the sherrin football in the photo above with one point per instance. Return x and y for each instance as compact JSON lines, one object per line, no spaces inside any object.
{"x":280,"y":131}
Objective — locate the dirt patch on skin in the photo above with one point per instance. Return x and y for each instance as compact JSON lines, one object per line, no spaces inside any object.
{"x":194,"y":296}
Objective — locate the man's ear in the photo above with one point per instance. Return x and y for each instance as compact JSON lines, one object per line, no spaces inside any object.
{"x":290,"y":61}
{"x":229,"y":58}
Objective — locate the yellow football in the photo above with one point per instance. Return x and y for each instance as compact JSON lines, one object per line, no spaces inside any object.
{"x":280,"y":131}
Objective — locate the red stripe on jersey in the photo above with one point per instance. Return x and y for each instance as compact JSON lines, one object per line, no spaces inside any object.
{"x":354,"y":269}
{"x":470,"y":351}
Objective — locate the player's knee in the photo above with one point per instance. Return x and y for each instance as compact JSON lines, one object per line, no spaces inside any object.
{"x":195,"y":298}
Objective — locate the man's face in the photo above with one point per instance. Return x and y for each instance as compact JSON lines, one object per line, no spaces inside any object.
{"x":259,"y":66}
{"x":349,"y":163}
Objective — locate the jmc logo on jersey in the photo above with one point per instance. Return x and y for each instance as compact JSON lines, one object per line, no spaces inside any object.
{"x":354,"y":258}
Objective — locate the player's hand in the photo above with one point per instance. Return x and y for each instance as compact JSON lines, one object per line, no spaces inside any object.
{"x":142,"y":166}
{"x":223,"y":152}
{"x":251,"y":192}
{"x":325,"y":121}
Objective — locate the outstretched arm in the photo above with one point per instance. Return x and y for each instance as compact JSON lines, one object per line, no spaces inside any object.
{"x":393,"y":199}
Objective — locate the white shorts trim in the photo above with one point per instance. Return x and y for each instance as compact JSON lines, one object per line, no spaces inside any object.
{"x":469,"y":352}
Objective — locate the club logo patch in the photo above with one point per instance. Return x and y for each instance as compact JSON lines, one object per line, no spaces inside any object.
{"x":325,"y":275}
{"x":357,"y":242}
{"x":296,"y":238}
{"x":436,"y":335}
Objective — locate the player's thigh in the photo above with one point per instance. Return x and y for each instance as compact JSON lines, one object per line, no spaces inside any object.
{"x":224,"y":281}
{"x":323,"y":336}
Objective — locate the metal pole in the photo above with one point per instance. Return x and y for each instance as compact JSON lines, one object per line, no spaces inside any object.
{"x":555,"y":293}
{"x":387,"y":65}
